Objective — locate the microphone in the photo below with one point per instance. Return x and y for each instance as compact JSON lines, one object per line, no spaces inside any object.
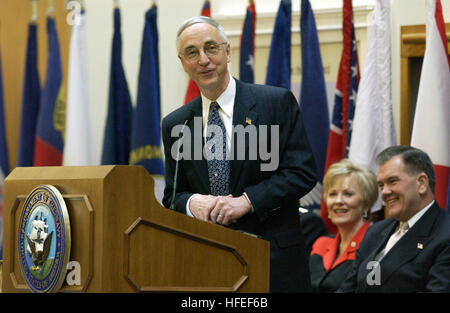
{"x":172,"y":201}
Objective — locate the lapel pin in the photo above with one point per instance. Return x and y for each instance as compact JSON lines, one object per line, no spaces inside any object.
{"x":248,"y":121}
{"x":419,"y":246}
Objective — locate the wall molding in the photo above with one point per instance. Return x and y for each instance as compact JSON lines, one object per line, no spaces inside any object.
{"x":329,"y":19}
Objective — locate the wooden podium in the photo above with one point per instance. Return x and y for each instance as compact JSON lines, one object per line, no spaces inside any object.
{"x":125,"y":241}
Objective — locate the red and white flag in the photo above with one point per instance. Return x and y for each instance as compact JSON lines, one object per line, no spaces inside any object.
{"x":431,"y":128}
{"x":344,"y":101}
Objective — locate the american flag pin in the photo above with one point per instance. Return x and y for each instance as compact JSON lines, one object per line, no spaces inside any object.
{"x":248,"y":121}
{"x":419,"y":246}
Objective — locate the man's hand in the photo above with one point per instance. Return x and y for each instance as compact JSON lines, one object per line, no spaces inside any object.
{"x":228,"y":209}
{"x":201,"y":206}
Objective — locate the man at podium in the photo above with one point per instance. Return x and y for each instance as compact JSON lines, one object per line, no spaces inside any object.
{"x":238,"y":154}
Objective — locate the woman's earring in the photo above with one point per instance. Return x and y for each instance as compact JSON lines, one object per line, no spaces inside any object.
{"x":366,"y":215}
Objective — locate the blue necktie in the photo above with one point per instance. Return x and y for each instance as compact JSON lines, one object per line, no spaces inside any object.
{"x":218,"y":165}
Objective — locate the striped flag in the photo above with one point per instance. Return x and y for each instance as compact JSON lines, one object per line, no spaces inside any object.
{"x":373,"y":124}
{"x":247,"y":55}
{"x":431,"y":128}
{"x":279,"y":65}
{"x":193,"y":91}
{"x":116,"y":143}
{"x":78,"y":147}
{"x":49,"y":143}
{"x":313,"y":101}
{"x":30,"y":101}
{"x":344,"y":101}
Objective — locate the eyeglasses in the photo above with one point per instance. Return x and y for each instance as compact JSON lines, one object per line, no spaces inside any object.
{"x":211,"y":49}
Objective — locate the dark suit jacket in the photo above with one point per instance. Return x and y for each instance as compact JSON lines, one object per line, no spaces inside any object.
{"x":327,"y":272}
{"x":418,"y":262}
{"x":313,"y":227}
{"x":274,"y":195}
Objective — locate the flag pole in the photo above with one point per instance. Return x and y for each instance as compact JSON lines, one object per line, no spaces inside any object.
{"x":81,"y":2}
{"x":34,"y":11}
{"x":51,"y":8}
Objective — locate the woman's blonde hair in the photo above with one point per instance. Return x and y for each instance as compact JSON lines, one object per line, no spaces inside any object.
{"x":365,"y":179}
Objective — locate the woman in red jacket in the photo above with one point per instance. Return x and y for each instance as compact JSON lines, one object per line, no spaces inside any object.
{"x":349,"y":192}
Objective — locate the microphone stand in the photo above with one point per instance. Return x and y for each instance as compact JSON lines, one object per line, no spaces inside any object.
{"x":172,"y":201}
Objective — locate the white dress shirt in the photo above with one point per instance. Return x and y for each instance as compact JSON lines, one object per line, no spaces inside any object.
{"x":226,"y":103}
{"x":410,"y":223}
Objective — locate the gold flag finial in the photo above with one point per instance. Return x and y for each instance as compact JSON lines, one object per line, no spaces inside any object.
{"x":34,"y":11}
{"x":51,"y":7}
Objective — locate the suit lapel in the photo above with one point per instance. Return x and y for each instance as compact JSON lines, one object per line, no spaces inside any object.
{"x":243,"y":114}
{"x":378,"y":246}
{"x":198,"y":161}
{"x":412,"y":243}
{"x":384,"y":237}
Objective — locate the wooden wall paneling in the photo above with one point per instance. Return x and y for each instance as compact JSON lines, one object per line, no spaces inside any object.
{"x":412,"y":41}
{"x":14,"y":19}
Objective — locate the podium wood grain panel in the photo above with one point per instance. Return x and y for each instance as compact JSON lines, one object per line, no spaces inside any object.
{"x":214,"y":266}
{"x":125,"y":241}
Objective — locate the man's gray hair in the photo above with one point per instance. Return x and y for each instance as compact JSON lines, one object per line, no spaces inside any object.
{"x":200,"y":19}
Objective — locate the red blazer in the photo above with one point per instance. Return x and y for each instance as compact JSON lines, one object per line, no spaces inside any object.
{"x":327,"y":272}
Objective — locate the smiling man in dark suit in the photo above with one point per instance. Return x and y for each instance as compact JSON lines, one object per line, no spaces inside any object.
{"x":242,"y":186}
{"x":410,"y":251}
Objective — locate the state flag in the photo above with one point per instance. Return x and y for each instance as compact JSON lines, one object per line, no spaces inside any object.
{"x":50,"y":126}
{"x":116,"y":142}
{"x":247,"y":55}
{"x":344,"y":101}
{"x":279,"y":64}
{"x":431,"y":127}
{"x":313,"y":101}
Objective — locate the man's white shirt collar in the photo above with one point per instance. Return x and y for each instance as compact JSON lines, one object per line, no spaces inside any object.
{"x":226,"y":103}
{"x":418,"y":215}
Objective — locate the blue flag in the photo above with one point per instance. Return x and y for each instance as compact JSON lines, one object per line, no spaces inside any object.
{"x":313,"y":95}
{"x":279,"y":65}
{"x":50,"y":126}
{"x":116,"y":143}
{"x":30,"y":101}
{"x":146,"y":133}
{"x":247,"y":63}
